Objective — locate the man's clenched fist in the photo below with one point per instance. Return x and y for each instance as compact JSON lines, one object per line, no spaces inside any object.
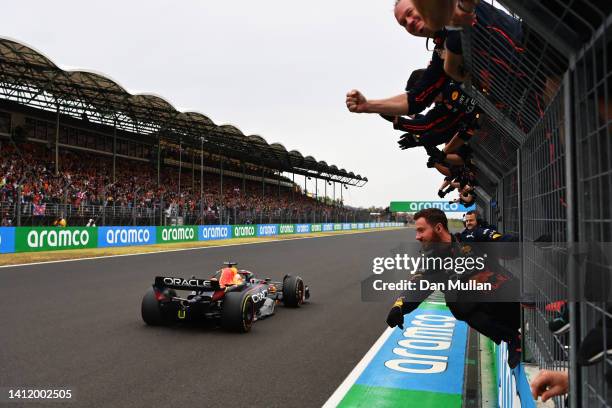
{"x":356,"y":102}
{"x":396,"y":314}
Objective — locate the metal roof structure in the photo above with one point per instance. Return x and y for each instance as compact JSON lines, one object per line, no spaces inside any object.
{"x":30,"y":78}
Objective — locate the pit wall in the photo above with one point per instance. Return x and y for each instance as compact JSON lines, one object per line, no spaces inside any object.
{"x":35,"y":239}
{"x":513,"y":389}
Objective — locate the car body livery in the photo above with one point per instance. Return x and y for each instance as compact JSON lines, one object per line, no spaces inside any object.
{"x":235,"y":302}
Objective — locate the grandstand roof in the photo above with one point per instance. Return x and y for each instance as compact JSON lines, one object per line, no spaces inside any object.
{"x":29,"y":77}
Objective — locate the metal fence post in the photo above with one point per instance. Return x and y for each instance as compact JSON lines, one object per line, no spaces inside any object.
{"x":574,"y":371}
{"x":519,"y":186}
{"x":161,"y":212}
{"x":18,"y":206}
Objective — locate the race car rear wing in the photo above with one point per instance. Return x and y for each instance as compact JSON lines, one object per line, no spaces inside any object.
{"x":185,"y":284}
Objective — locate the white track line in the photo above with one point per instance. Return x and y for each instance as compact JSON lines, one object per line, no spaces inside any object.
{"x":348,"y":382}
{"x":184,"y":249}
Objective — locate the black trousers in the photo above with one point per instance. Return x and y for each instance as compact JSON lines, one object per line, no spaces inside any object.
{"x":499,"y":321}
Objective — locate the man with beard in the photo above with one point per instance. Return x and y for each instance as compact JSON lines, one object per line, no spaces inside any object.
{"x":485,"y":317}
{"x":477,"y":230}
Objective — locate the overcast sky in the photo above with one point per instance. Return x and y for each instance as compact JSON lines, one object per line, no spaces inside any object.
{"x":274,"y":68}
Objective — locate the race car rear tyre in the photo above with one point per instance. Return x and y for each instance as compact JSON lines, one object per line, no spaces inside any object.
{"x":151,"y":311}
{"x":238,"y":312}
{"x":293,"y":291}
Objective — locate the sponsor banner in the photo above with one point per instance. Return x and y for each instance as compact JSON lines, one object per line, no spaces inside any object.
{"x":513,"y":389}
{"x":414,"y":206}
{"x":27,"y":239}
{"x":428,"y":355}
{"x":126,"y":236}
{"x":30,"y":239}
{"x":304,"y":228}
{"x":267,"y":230}
{"x":210,"y":232}
{"x":183,"y":233}
{"x":7,"y":240}
{"x":244,"y":231}
{"x":419,"y":366}
{"x":316,"y":227}
{"x":286,"y":229}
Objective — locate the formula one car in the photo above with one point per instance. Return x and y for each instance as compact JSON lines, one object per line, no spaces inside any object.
{"x":232,"y":297}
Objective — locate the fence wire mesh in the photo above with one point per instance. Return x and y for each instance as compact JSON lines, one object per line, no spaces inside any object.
{"x":544,"y":212}
{"x":593,"y":80}
{"x":510,"y":203}
{"x":542,"y":75}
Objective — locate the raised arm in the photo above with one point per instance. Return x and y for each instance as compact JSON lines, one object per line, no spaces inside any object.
{"x":395,"y":105}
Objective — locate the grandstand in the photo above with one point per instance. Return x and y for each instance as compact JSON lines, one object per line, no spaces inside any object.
{"x":75,"y":144}
{"x":545,"y":153}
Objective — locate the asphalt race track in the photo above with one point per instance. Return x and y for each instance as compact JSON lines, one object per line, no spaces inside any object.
{"x":77,"y":325}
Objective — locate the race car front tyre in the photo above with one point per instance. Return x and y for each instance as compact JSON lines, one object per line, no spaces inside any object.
{"x":150,"y":310}
{"x":293,"y":291}
{"x":238,"y":312}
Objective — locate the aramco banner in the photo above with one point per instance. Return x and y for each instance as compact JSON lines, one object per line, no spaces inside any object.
{"x":414,"y":206}
{"x":31,"y":239}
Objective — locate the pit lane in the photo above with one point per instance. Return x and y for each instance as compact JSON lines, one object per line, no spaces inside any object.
{"x":77,"y":324}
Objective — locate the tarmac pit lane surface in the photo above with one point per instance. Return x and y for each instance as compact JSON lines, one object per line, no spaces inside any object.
{"x":77,"y":325}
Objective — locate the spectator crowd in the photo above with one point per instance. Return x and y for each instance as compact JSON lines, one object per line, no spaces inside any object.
{"x":86,"y":179}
